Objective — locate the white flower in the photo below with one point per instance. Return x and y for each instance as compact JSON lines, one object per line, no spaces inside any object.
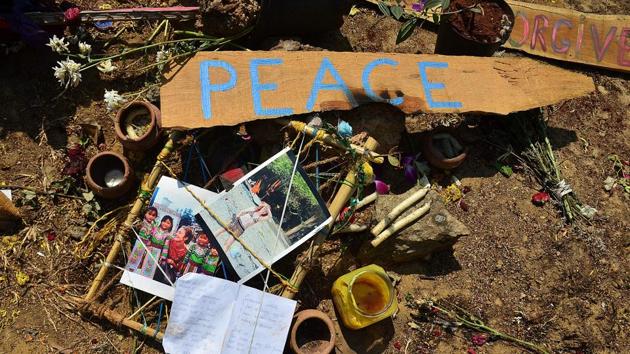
{"x":58,"y":45}
{"x":106,"y":66}
{"x":85,"y":48}
{"x":162,"y":55}
{"x":113,"y":100}
{"x":68,"y":73}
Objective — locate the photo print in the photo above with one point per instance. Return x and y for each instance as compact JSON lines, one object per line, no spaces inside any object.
{"x":169,"y":241}
{"x":252,"y":213}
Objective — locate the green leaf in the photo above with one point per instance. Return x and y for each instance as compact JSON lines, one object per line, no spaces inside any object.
{"x":505,"y":170}
{"x":432,"y":3}
{"x":406,"y":30}
{"x":475,"y":9}
{"x":393,"y":160}
{"x":436,"y":18}
{"x":446,"y":4}
{"x":384,"y":9}
{"x":397,"y":12}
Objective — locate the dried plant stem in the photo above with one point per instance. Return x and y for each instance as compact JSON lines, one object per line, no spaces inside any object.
{"x":476,"y":324}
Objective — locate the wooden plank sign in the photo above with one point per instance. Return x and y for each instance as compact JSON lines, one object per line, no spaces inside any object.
{"x":228,"y":88}
{"x":553,"y":32}
{"x":601,"y":40}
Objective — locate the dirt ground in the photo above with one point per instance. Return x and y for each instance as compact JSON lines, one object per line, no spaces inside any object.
{"x":521,"y":270}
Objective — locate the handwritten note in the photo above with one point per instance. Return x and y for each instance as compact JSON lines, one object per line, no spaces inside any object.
{"x":212,"y":315}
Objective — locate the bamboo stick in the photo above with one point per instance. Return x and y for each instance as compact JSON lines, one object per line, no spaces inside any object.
{"x":330,"y":140}
{"x":352,"y":228}
{"x":344,"y":193}
{"x":123,"y":230}
{"x":101,"y":311}
{"x":399,"y":209}
{"x":398,"y":225}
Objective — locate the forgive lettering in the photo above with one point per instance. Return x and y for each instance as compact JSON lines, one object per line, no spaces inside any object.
{"x":593,"y":39}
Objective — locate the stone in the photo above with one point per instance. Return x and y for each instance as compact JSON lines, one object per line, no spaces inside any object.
{"x":437,"y":230}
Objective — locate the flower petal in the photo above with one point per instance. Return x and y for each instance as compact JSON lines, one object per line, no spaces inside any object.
{"x":411,"y":174}
{"x":381,"y":187}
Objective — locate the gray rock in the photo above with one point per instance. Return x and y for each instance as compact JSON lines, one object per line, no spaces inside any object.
{"x":436,"y":230}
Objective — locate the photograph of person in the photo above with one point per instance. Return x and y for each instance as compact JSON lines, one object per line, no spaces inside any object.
{"x":169,"y":241}
{"x":249,"y":217}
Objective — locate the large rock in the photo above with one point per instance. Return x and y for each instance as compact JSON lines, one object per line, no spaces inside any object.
{"x":436,"y":230}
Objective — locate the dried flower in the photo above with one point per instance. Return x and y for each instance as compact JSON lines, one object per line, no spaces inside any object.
{"x":397,"y":345}
{"x":51,"y":235}
{"x":367,"y":172}
{"x":345,"y":214}
{"x":381,"y":187}
{"x":479,"y":339}
{"x":419,"y":6}
{"x":68,"y":73}
{"x":58,"y":45}
{"x":106,"y":66}
{"x":344,"y":129}
{"x":162,"y":55}
{"x":540,"y":198}
{"x":471,"y":351}
{"x":85,"y":48}
{"x":72,"y":15}
{"x":113,"y":100}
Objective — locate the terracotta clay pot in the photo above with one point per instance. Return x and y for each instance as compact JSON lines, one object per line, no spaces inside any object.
{"x":104,"y":169}
{"x":135,"y":110}
{"x":436,"y":158}
{"x":312,"y":315}
{"x":451,"y":41}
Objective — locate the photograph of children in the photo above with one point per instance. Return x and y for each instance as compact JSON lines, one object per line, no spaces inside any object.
{"x":169,"y":241}
{"x":154,"y":232}
{"x":252,"y":211}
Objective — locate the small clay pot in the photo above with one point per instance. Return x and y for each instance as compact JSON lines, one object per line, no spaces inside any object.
{"x":451,"y":42}
{"x":312,"y":315}
{"x":138,"y":110}
{"x":436,"y":157}
{"x":106,"y":168}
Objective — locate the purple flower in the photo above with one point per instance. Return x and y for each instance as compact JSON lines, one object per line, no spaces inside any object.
{"x":419,"y":6}
{"x":411,"y":173}
{"x":381,"y":187}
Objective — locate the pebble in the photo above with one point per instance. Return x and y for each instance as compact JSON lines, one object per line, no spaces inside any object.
{"x":602,"y":90}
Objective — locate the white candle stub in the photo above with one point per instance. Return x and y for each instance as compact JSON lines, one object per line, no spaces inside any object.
{"x":113,"y":178}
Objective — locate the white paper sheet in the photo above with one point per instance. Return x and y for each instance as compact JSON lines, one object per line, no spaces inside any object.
{"x":216,"y":316}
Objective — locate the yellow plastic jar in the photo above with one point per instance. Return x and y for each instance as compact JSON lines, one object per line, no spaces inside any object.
{"x":364,"y":296}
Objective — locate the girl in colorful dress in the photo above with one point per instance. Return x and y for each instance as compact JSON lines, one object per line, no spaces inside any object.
{"x":174,"y":252}
{"x":147,"y":228}
{"x":211,"y":262}
{"x":156,"y":243}
{"x":196,"y":256}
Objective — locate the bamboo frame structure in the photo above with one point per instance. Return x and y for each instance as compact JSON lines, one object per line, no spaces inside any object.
{"x":89,"y":303}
